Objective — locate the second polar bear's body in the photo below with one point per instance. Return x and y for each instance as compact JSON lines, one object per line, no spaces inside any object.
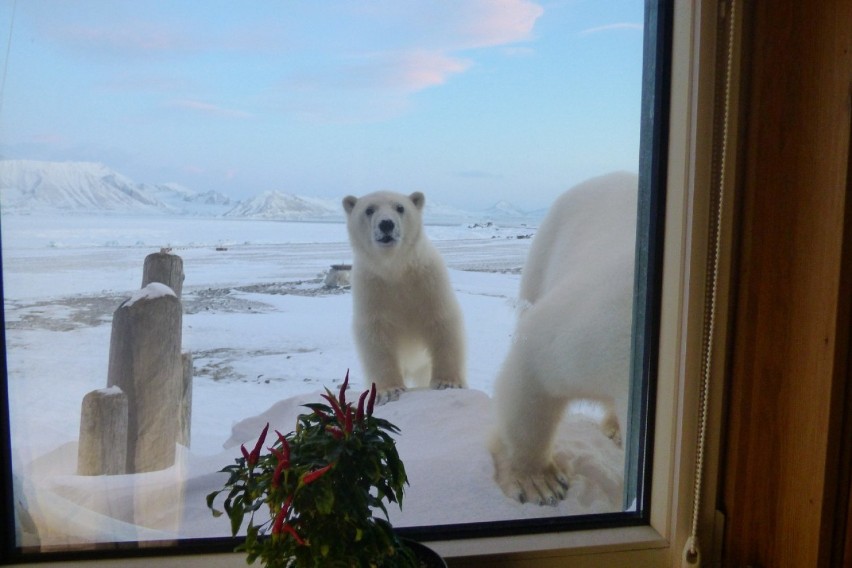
{"x":406,"y":320}
{"x":573,"y":335}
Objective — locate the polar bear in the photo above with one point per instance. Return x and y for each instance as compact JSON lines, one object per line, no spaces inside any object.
{"x":573,"y":335}
{"x":407,"y":322}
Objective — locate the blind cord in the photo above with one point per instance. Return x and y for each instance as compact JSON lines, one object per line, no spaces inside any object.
{"x":692,"y":550}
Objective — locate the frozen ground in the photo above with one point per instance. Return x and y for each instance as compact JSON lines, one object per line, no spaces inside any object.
{"x":265,"y":335}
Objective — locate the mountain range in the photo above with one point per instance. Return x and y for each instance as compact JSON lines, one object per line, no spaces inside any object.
{"x":28,"y":186}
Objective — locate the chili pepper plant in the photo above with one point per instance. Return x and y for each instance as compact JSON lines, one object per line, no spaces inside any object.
{"x":310,"y":500}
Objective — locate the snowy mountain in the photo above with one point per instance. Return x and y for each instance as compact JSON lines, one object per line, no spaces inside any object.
{"x":30,"y":185}
{"x":505,"y":210}
{"x":287,"y":207}
{"x":181,"y":199}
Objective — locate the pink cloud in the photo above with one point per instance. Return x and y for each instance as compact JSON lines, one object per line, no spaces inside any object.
{"x":409,"y":71}
{"x":487,"y":23}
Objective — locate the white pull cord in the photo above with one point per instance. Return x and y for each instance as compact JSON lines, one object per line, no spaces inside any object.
{"x":692,"y":551}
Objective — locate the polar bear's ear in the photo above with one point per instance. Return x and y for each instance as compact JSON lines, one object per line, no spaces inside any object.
{"x":418,"y":199}
{"x":349,"y":203}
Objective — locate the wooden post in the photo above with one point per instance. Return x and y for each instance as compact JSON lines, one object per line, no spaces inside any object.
{"x":185,"y":417}
{"x":145,"y":362}
{"x":103,"y":433}
{"x":165,"y":268}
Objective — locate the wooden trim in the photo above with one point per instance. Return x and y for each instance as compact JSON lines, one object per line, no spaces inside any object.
{"x":790,"y":336}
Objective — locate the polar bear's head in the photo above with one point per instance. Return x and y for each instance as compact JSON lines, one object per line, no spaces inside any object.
{"x":384,"y":221}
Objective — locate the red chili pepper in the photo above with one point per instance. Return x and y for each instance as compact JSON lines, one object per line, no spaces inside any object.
{"x":338,"y":412}
{"x":245,"y":453}
{"x":342,"y":396}
{"x":309,"y":478}
{"x":255,"y":453}
{"x":281,"y":437}
{"x":292,"y":531}
{"x":359,"y":416}
{"x":282,"y":454}
{"x":348,"y":424}
{"x":336,"y":432}
{"x":278,"y":523}
{"x":372,"y":401}
{"x":285,"y":448}
{"x":276,"y":476}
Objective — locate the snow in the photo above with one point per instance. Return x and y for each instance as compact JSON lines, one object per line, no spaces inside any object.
{"x":111,"y":391}
{"x":152,"y":291}
{"x":266,"y":337}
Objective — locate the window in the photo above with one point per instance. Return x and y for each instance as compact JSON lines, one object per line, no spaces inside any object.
{"x":243,"y":298}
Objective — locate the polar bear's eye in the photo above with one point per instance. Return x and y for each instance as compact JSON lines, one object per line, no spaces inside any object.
{"x":369,"y":211}
{"x":400,"y":208}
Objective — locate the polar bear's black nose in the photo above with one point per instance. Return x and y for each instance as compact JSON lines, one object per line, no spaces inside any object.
{"x":386,"y":226}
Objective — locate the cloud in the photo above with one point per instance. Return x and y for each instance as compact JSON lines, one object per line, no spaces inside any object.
{"x":406,"y":71}
{"x":413,"y":45}
{"x":613,"y":27}
{"x":488,"y":23}
{"x":207,"y":108}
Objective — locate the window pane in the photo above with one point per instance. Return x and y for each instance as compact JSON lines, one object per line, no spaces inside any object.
{"x":211,"y":151}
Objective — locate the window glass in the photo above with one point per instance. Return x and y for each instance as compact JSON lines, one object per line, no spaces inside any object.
{"x":211,"y":150}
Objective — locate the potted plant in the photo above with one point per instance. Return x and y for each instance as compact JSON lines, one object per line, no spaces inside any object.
{"x":317,"y":488}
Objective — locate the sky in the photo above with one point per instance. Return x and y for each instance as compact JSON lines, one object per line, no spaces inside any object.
{"x":470,"y":102}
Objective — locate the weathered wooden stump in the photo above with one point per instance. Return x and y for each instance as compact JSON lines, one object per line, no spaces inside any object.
{"x":102,"y":449}
{"x":165,"y":268}
{"x":185,"y":417}
{"x":338,"y":276}
{"x":145,"y":362}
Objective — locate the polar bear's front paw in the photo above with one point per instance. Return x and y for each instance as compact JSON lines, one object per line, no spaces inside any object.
{"x":548,"y":486}
{"x":443,"y":385}
{"x":388,"y":395}
{"x":545,"y":488}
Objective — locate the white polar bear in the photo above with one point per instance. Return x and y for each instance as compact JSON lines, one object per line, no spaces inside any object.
{"x":573,"y":337}
{"x":407,"y":322}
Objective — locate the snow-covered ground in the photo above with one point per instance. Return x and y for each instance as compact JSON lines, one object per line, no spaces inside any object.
{"x":266,"y":336}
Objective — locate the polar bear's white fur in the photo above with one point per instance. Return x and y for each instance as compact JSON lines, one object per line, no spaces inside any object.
{"x":407,"y":322}
{"x":572,"y":340}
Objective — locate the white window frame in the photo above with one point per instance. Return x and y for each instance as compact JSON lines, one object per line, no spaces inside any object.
{"x":687,"y":224}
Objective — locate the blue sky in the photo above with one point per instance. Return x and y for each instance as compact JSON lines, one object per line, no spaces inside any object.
{"x":470,"y":102}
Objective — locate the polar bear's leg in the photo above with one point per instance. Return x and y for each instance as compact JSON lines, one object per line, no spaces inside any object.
{"x":448,"y":360}
{"x":380,"y":358}
{"x":611,"y":424}
{"x":522,"y":444}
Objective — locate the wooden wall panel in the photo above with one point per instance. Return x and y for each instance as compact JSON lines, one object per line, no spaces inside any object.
{"x":791,"y":325}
